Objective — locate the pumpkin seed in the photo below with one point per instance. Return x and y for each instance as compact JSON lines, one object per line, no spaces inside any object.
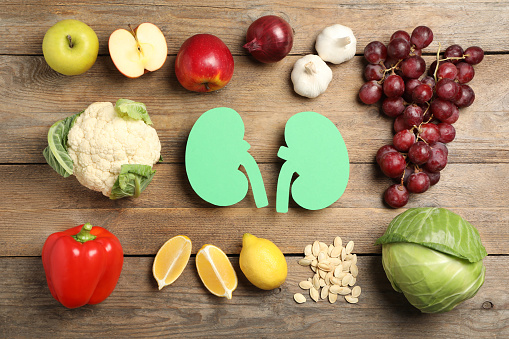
{"x":346,"y":280}
{"x":336,"y":252}
{"x":324,"y":266}
{"x":335,"y":281}
{"x":322,"y":282}
{"x":352,"y":281}
{"x":338,"y":270}
{"x":356,"y":291}
{"x":305,"y":284}
{"x":305,"y":262}
{"x":349,"y":247}
{"x":354,"y":270}
{"x":323,"y":247}
{"x":308,"y":250}
{"x":338,"y":242}
{"x":325,"y":292}
{"x":329,"y":250}
{"x":351,"y":299}
{"x":333,"y":297}
{"x":322,"y":256}
{"x":315,"y":249}
{"x":299,"y":298}
{"x":316,"y":281}
{"x":322,"y":273}
{"x":335,"y":261}
{"x":344,"y":291}
{"x":313,"y":293}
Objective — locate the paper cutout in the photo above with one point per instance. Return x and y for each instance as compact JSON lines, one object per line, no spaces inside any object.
{"x":215,"y":150}
{"x":317,"y":153}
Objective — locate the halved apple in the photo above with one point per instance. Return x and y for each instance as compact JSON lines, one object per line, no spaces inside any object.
{"x":140,"y":51}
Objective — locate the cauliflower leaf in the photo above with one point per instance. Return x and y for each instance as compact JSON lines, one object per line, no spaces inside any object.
{"x":132,"y":180}
{"x":133,"y":109}
{"x":55,"y":153}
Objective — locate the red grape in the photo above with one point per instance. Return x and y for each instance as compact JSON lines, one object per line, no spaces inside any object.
{"x":447,"y":70}
{"x":433,"y":66}
{"x":398,"y":48}
{"x":447,"y":132}
{"x":400,"y":34}
{"x":437,"y":160}
{"x":370,"y":92}
{"x":410,"y":84}
{"x":419,"y":153}
{"x":441,"y":109}
{"x":474,"y":55}
{"x":465,"y":72}
{"x":403,"y":140}
{"x":392,"y":164}
{"x":382,"y":150}
{"x":428,"y":80}
{"x":421,"y":37}
{"x":413,"y":67}
{"x":399,"y":124}
{"x":375,"y":52}
{"x":454,"y":51}
{"x":442,"y":146}
{"x":454,"y":116}
{"x":373,"y":72}
{"x":396,"y":196}
{"x":429,"y":132}
{"x":434,"y":177}
{"x":418,"y":182}
{"x":412,"y":115}
{"x":422,"y":93}
{"x":408,"y":170}
{"x":393,"y":107}
{"x":465,"y":96}
{"x":447,"y":89}
{"x":394,"y":86}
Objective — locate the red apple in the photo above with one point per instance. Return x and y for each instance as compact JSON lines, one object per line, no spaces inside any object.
{"x":204,"y":63}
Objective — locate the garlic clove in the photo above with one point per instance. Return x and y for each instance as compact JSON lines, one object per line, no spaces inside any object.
{"x":311,"y":76}
{"x":336,"y":44}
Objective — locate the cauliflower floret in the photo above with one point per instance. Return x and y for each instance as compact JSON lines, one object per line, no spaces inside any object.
{"x":100,"y":142}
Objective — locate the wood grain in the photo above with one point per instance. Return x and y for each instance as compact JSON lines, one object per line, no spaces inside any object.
{"x":473,"y":185}
{"x":483,"y":23}
{"x":142,"y":231}
{"x":34,"y":97}
{"x":187,"y":309}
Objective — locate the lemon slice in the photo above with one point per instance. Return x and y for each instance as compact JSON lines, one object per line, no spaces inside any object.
{"x":216,"y":271}
{"x":171,"y":259}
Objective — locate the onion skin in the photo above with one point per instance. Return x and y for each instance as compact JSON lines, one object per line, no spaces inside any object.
{"x":269,"y":39}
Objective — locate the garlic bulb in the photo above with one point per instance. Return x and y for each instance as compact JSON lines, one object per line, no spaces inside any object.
{"x":336,"y":44}
{"x":311,"y":76}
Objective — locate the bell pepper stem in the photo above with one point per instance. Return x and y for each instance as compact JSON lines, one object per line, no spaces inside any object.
{"x":84,"y":234}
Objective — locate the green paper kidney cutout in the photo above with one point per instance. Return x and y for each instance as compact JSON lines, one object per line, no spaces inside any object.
{"x":215,"y":150}
{"x":317,"y":153}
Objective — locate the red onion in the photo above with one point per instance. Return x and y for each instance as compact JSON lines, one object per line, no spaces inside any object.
{"x":269,"y":39}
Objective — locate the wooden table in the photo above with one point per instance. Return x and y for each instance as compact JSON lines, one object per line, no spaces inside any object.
{"x":37,"y":202}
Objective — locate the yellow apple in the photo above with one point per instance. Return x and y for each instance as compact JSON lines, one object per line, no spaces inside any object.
{"x":138,"y":51}
{"x":70,"y":47}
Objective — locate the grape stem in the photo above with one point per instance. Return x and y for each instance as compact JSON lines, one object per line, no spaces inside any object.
{"x":387,"y":70}
{"x":445,"y":59}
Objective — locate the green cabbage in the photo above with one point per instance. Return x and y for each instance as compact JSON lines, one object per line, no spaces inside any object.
{"x":434,"y":257}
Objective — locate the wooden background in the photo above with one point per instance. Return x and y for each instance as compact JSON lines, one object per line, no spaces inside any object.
{"x":37,"y":202}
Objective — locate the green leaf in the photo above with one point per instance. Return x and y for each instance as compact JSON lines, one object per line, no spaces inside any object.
{"x":55,"y":153}
{"x":132,"y":109}
{"x":438,"y":229}
{"x":132,"y":181}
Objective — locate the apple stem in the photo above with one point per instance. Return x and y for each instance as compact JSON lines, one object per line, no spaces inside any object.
{"x":70,"y":40}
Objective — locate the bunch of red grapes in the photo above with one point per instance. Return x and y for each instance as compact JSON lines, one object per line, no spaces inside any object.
{"x":425,"y":106}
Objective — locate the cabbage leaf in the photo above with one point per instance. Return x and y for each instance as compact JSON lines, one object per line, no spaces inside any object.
{"x":438,"y":229}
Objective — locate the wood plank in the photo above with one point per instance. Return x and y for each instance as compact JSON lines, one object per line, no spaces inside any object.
{"x":482,"y":23}
{"x":460,"y":185}
{"x":34,"y":97}
{"x":187,"y":309}
{"x":142,"y":231}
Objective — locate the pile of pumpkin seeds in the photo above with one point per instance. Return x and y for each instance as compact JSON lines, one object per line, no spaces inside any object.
{"x":335,"y":272}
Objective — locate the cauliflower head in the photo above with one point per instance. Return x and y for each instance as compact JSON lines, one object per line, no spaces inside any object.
{"x":101,"y":141}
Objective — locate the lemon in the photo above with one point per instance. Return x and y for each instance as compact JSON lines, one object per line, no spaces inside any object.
{"x":171,"y":259}
{"x":262,"y":262}
{"x":216,"y":271}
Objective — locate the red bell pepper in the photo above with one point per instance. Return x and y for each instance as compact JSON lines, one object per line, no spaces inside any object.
{"x":82,"y":264}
